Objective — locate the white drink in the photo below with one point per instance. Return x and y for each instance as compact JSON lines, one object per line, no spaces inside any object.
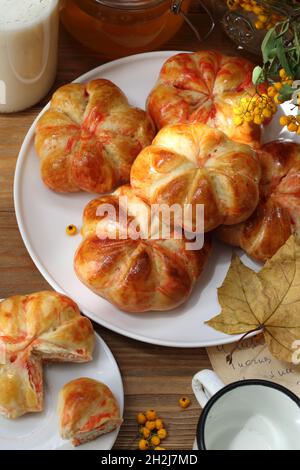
{"x":28,"y":51}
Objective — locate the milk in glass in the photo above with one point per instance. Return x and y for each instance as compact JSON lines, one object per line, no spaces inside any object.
{"x":28,"y":51}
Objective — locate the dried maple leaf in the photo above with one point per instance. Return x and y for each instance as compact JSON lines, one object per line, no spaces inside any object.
{"x":268,"y":301}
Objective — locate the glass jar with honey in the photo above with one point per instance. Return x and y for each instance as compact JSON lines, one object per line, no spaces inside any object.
{"x":117,"y":28}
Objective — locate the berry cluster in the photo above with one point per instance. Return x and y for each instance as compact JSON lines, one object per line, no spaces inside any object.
{"x":274,"y":90}
{"x":292,"y":123}
{"x":258,"y":109}
{"x":261,"y":107}
{"x":152,"y":430}
{"x":265,"y":19}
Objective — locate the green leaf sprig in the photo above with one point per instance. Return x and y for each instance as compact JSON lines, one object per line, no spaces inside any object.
{"x":281,"y":50}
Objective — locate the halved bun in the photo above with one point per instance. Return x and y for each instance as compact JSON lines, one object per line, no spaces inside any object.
{"x":87,"y":409}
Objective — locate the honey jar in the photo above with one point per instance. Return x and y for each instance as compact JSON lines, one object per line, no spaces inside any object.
{"x":116,"y":28}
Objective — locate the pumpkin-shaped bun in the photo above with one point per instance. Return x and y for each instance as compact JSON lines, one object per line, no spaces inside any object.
{"x":278,"y":213}
{"x":204,"y":87}
{"x":89,"y":137}
{"x":131,"y":264}
{"x":195,"y":164}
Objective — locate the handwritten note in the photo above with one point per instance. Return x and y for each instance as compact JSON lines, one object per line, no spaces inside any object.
{"x":252,"y":360}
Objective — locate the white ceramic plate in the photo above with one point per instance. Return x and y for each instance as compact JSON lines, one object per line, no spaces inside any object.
{"x":43,"y":216}
{"x":39,"y":431}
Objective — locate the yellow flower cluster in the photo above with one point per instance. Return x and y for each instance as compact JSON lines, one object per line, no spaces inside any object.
{"x":265,"y":19}
{"x":256,"y":109}
{"x":292,"y":123}
{"x":152,"y":430}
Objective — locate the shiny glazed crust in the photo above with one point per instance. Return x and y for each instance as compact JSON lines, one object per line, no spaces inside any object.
{"x":87,"y":409}
{"x":203,"y":87}
{"x":278,"y":213}
{"x":195,"y":164}
{"x":33,"y":328}
{"x":89,"y":137}
{"x":136,"y":275}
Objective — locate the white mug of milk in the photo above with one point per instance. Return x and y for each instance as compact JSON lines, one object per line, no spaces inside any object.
{"x":245,"y":415}
{"x":28,"y":51}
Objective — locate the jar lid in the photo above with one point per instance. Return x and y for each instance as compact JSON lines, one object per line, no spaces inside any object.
{"x":131,"y":4}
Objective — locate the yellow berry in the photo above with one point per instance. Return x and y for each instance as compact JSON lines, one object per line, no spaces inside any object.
{"x":159,"y":424}
{"x":159,"y":448}
{"x":298,"y":130}
{"x":263,"y":18}
{"x":257,"y":10}
{"x":184,"y":402}
{"x":145,"y":432}
{"x":150,"y":425}
{"x":238,"y":120}
{"x":155,"y":441}
{"x":248,"y":117}
{"x":292,"y":127}
{"x":143,"y":444}
{"x":71,"y":230}
{"x":271,"y":91}
{"x":162,"y":433}
{"x":282,"y":73}
{"x":267,"y":113}
{"x":278,"y":85}
{"x":273,"y":108}
{"x":284,"y":120}
{"x":151,"y":415}
{"x":258,"y":120}
{"x":141,"y":418}
{"x":238,"y":110}
{"x":258,"y":25}
{"x":232,"y":4}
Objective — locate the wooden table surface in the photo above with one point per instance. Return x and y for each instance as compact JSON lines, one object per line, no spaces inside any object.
{"x":154,"y":377}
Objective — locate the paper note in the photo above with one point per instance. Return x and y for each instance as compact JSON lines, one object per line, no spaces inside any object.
{"x":252,"y":360}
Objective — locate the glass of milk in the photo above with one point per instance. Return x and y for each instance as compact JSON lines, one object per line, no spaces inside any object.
{"x":28,"y":51}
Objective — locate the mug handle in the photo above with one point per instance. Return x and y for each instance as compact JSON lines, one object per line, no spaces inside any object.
{"x":205,"y":384}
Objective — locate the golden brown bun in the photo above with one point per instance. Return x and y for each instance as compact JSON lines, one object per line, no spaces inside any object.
{"x":89,"y":137}
{"x":136,"y":275}
{"x":195,"y":164}
{"x":278,"y":213}
{"x":204,"y":87}
{"x":36,"y":327}
{"x":87,"y":409}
